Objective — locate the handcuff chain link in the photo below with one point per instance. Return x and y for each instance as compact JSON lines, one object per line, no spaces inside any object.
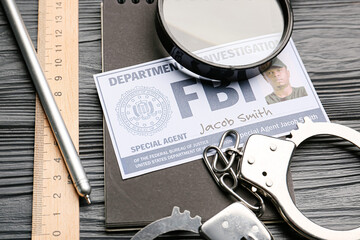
{"x":228,"y":158}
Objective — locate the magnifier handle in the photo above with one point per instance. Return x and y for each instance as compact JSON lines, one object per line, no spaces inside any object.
{"x":267,"y":152}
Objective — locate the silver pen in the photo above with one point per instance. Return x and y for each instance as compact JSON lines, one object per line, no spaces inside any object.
{"x":51,"y":110}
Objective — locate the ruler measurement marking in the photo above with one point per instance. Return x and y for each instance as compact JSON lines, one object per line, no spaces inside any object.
{"x":55,"y":203}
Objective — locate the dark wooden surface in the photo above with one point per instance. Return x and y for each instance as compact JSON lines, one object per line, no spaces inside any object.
{"x":326,"y":172}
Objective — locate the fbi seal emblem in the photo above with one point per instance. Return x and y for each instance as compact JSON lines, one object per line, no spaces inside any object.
{"x":143,"y":111}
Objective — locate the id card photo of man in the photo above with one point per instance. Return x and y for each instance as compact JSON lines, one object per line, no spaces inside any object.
{"x":278,"y":76}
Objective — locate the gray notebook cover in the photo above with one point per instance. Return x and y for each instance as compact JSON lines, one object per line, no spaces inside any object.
{"x":129,"y":37}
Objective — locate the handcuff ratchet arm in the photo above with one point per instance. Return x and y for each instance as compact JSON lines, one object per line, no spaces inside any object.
{"x":265,"y":165}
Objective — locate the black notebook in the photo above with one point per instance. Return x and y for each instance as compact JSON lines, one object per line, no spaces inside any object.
{"x":129,"y":37}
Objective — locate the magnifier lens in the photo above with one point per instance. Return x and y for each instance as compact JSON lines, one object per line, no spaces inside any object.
{"x":201,"y":24}
{"x":227,"y":33}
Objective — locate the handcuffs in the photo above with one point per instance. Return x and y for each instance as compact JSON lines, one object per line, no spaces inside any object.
{"x":263,"y":165}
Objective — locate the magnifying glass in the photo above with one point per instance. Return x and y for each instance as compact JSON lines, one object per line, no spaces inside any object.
{"x":226,"y":40}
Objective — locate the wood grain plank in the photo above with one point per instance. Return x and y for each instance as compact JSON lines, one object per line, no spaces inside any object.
{"x":327,"y":182}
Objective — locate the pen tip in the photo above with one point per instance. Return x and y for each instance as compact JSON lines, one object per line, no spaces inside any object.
{"x":87,"y":198}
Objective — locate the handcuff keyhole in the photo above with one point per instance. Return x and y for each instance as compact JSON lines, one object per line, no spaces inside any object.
{"x":264,"y":174}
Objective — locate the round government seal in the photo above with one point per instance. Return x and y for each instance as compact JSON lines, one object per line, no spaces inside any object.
{"x":143,"y":110}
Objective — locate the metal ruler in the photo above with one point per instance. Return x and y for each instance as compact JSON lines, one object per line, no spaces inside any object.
{"x":55,"y":213}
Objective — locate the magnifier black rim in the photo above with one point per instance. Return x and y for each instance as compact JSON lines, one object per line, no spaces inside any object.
{"x":219,"y":71}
